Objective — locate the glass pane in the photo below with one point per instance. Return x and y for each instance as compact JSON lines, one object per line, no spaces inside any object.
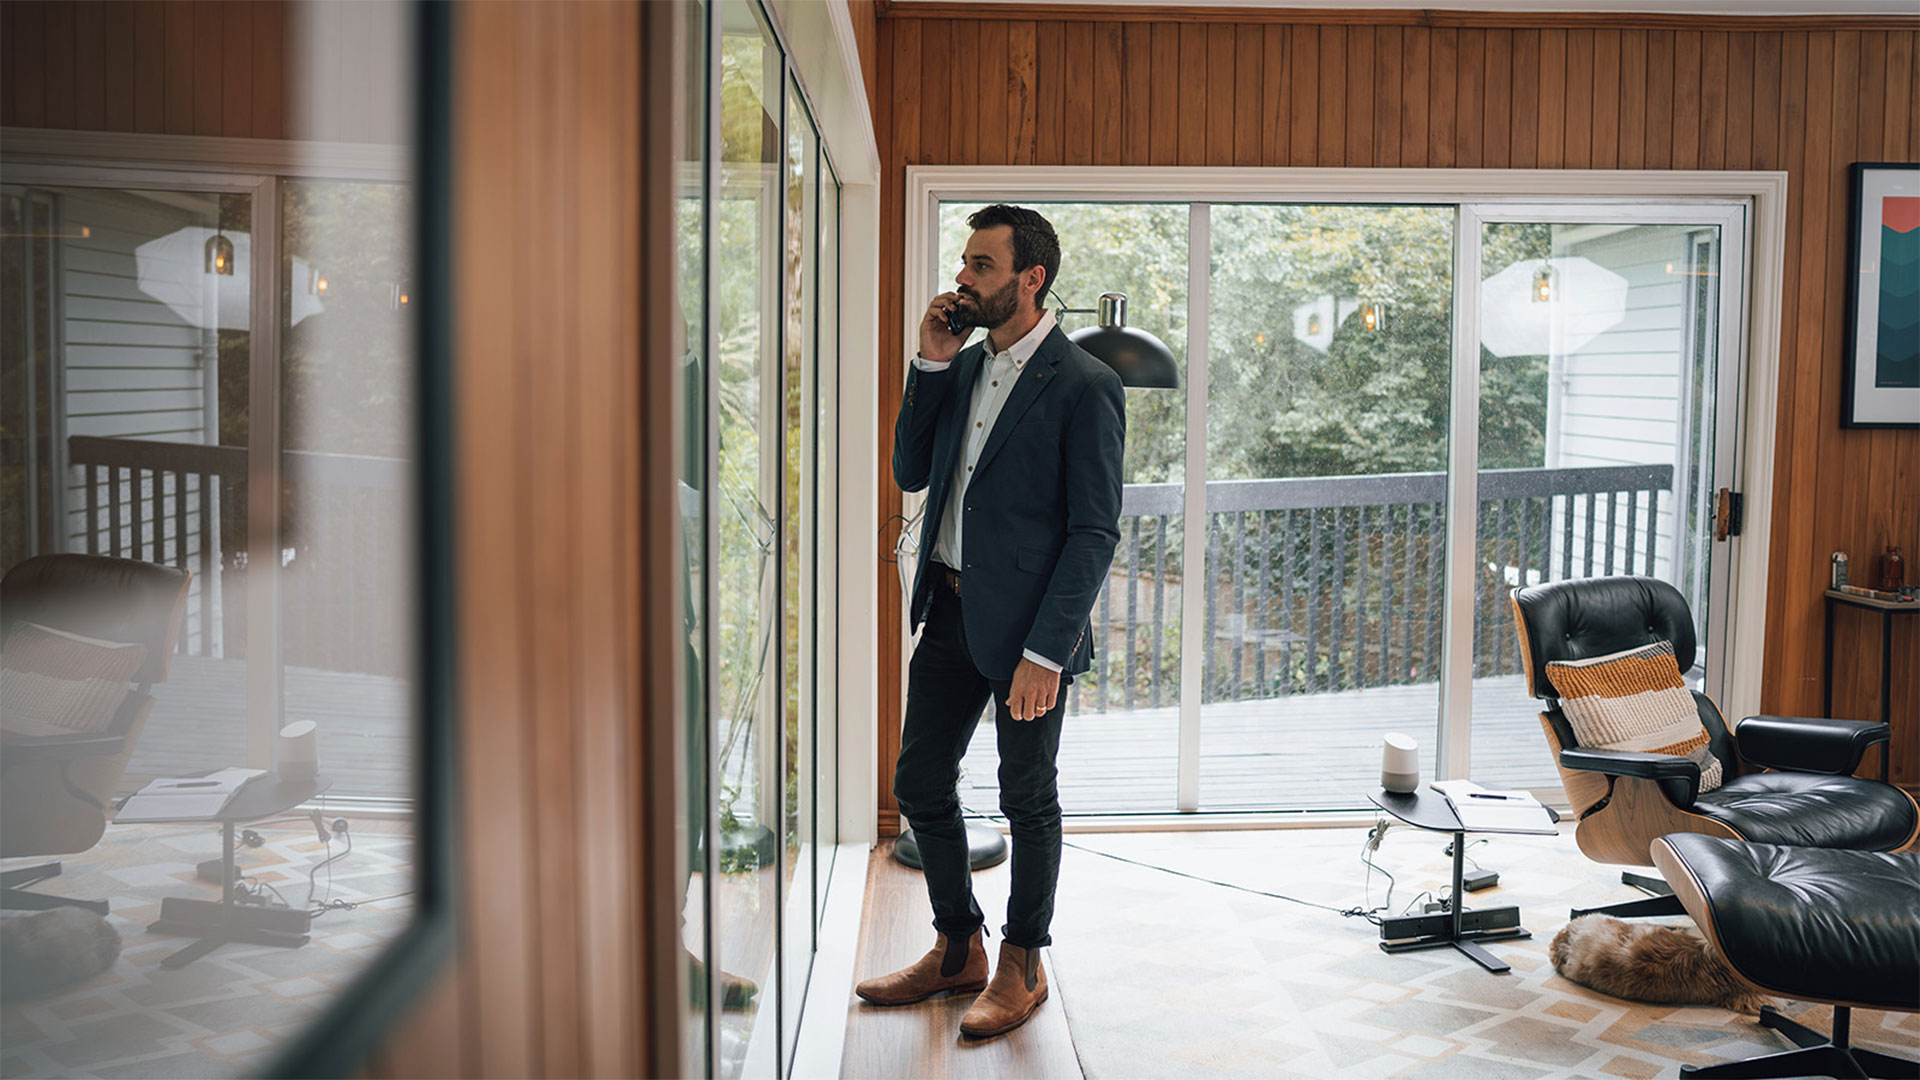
{"x":799,"y":531}
{"x":826,"y":689}
{"x":746,"y":713}
{"x":1119,"y":750}
{"x":1328,"y":401}
{"x":346,"y":413}
{"x":690,"y":217}
{"x":127,"y":366}
{"x":1598,"y":367}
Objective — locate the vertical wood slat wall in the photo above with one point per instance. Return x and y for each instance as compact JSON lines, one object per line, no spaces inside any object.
{"x":568,"y":612}
{"x":565,"y":964}
{"x":1067,"y":88}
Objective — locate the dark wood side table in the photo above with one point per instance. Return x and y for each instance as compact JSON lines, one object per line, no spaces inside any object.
{"x":216,"y":924}
{"x":1426,"y":809}
{"x":1887,"y":609}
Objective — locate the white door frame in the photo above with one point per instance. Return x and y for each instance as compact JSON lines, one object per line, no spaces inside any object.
{"x":1752,"y":337}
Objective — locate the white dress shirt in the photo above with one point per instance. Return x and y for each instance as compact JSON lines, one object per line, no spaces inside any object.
{"x":990,"y":392}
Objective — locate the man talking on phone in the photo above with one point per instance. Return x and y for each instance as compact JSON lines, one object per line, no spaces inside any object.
{"x":1017,"y":441}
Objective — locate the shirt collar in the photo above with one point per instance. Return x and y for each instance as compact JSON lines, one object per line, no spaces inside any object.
{"x":1023,"y":350}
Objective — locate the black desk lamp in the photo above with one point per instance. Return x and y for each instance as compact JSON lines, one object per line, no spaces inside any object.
{"x":1140,"y":358}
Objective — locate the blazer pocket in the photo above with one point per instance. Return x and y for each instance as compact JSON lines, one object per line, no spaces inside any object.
{"x":1035,"y":560}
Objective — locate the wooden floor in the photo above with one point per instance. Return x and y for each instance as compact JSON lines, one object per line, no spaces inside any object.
{"x":1319,"y":751}
{"x":924,"y":1040}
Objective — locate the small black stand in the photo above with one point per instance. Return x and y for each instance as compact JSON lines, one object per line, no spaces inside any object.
{"x":1459,"y":928}
{"x":217,"y":924}
{"x":985,"y":847}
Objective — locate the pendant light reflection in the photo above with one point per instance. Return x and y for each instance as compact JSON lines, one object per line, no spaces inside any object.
{"x":1372,"y":316}
{"x":1543,"y":284}
{"x":219,"y":255}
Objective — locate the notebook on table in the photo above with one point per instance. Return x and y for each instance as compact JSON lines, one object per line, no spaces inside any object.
{"x":1482,"y":809}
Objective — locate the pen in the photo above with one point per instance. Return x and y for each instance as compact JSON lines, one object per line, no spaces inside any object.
{"x":1479,"y":795}
{"x":202,"y":783}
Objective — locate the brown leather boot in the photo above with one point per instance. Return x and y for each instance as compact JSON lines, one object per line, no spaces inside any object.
{"x":953,"y":964}
{"x":1019,"y":986}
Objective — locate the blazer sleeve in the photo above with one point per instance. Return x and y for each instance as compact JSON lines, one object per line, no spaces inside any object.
{"x":913,"y":429}
{"x":1095,"y":441}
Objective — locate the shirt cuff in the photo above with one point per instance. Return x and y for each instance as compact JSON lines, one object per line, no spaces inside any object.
{"x":1041,"y":660}
{"x":921,"y":363}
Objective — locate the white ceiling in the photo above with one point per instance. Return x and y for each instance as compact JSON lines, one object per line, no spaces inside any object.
{"x":1664,"y":7}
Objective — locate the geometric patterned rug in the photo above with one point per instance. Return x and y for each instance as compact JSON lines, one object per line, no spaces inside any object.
{"x":229,"y":1012}
{"x":1167,"y":977}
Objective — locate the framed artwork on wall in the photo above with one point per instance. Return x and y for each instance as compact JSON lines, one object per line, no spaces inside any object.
{"x":1882,"y":383}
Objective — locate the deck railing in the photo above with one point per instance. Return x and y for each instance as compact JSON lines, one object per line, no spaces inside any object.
{"x":344,"y":555}
{"x":1335,"y":583}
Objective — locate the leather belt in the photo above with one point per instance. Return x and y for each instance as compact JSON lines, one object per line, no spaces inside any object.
{"x":949,"y":576}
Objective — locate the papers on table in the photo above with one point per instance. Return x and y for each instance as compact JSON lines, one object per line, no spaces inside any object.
{"x":186,"y":798}
{"x":1486,"y":810}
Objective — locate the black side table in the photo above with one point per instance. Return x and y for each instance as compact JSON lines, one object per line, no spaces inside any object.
{"x":1458,"y":928}
{"x":216,"y":924}
{"x":1887,"y":609}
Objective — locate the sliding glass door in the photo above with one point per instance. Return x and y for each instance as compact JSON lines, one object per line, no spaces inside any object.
{"x":1333,"y":561}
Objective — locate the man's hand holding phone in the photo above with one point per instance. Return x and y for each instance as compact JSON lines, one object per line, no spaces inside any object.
{"x":940,"y":334}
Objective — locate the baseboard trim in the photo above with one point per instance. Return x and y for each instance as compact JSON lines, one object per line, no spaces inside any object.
{"x":822,"y":1038}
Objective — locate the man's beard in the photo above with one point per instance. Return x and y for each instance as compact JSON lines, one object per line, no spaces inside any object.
{"x":992,"y":311}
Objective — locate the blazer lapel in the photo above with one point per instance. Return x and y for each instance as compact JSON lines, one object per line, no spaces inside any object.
{"x":1034,"y":379}
{"x":966,"y":368}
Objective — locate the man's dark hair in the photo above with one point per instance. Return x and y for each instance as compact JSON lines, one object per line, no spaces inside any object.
{"x":1034,"y":242}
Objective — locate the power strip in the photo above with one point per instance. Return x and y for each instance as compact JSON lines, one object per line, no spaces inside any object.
{"x":1401,"y":927}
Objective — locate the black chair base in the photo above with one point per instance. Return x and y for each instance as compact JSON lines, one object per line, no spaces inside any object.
{"x":1628,"y":909}
{"x":1817,"y":1055}
{"x":15,"y":897}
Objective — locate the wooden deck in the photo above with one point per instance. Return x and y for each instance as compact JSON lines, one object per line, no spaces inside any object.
{"x":1317,"y":751}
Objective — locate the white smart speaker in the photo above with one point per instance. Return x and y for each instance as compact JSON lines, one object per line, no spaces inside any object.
{"x":1400,"y":763}
{"x":299,"y":754}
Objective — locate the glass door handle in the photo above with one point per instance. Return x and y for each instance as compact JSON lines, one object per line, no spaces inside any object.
{"x":1727,"y":506}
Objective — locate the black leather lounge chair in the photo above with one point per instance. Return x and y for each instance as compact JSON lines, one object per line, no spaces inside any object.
{"x":1787,"y":780}
{"x":1813,"y":924}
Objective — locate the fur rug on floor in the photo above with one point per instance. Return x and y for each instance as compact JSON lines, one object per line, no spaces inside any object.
{"x":1654,"y":962}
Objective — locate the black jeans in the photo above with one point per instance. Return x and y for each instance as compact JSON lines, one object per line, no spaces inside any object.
{"x":945,"y":694}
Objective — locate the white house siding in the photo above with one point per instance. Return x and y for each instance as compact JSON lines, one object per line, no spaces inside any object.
{"x":135,"y":369}
{"x":1618,"y":401}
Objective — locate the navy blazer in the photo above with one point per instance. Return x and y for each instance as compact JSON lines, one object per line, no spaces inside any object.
{"x":1043,"y":508}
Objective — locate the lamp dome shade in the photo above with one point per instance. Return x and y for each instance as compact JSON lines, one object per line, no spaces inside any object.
{"x":1139,"y":357}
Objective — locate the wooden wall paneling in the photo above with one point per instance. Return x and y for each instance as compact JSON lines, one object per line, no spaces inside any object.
{"x":1136,"y":92}
{"x":928,"y":84}
{"x":1855,"y":521}
{"x":1605,"y":152}
{"x":1686,"y":99}
{"x":1416,"y":96}
{"x":1470,"y":103}
{"x":236,"y":51}
{"x":1330,"y":150}
{"x":89,"y":78}
{"x":1110,"y":132}
{"x":27,"y":65}
{"x":270,"y":67}
{"x":1552,"y":93}
{"x":1714,"y":60}
{"x":179,"y":77}
{"x":492,"y":437}
{"x":1361,"y":135}
{"x":1388,"y":62}
{"x":1077,"y":115}
{"x":1274,"y":95}
{"x":1496,"y":138}
{"x":1022,"y":113}
{"x":899,"y":101}
{"x":1895,"y":128}
{"x":1443,"y":95}
{"x":1249,"y":101}
{"x":1774,"y":121}
{"x":1769,"y":117}
{"x":1220,"y":93}
{"x":991,"y":102}
{"x":1632,"y":153}
{"x":963,"y":82}
{"x":209,"y":69}
{"x":1050,"y":97}
{"x":1303,"y":97}
{"x":1163,"y":80}
{"x":1524,"y":84}
{"x":60,"y":69}
{"x":1191,"y":107}
{"x":1660,"y":99}
{"x":117,"y":110}
{"x":149,"y":68}
{"x":902,"y":50}
{"x":1738,"y":95}
{"x":1577,"y":152}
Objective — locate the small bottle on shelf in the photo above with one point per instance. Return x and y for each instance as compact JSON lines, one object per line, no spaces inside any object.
{"x":1893,"y":569}
{"x":1839,"y":569}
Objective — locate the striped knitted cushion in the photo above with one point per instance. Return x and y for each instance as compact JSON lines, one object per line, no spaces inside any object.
{"x":1634,"y":700}
{"x":53,"y":682}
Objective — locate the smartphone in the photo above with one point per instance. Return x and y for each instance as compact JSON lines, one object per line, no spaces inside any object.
{"x":953,"y":322}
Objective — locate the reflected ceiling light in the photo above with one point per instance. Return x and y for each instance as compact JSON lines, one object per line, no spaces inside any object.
{"x":219,"y":255}
{"x":316,"y":283}
{"x":1543,"y":284}
{"x":1313,"y":325}
{"x":1371,"y":316}
{"x":1139,"y":357}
